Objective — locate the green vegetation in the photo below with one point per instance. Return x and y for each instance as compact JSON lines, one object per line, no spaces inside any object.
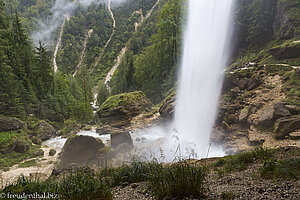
{"x":75,"y":186}
{"x":240,"y":161}
{"x":103,"y":94}
{"x":125,"y":19}
{"x":9,"y":153}
{"x":292,"y":87}
{"x":28,"y":163}
{"x":177,"y":181}
{"x":126,"y":100}
{"x":96,"y":18}
{"x":150,"y":66}
{"x":289,"y":168}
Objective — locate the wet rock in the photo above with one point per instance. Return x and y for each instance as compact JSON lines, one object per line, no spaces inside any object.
{"x":167,"y":109}
{"x":52,"y":152}
{"x":228,"y":83}
{"x":286,"y":125}
{"x":10,"y":123}
{"x":121,"y":138}
{"x":38,"y":153}
{"x":217,"y":136}
{"x":80,"y":150}
{"x":118,"y":110}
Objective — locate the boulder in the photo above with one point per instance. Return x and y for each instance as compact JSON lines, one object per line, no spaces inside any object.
{"x":244,"y":114}
{"x":52,"y":152}
{"x":286,"y":125}
{"x":271,"y":114}
{"x":249,"y":84}
{"x":38,"y":153}
{"x":118,"y":110}
{"x":105,"y":130}
{"x":121,"y":138}
{"x":44,"y":131}
{"x":22,"y":147}
{"x":280,"y":110}
{"x":10,"y":124}
{"x":286,"y":51}
{"x":8,"y":147}
{"x":167,"y":109}
{"x":80,"y":150}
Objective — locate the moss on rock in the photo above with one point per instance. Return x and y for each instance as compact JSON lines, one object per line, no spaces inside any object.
{"x":120,"y":108}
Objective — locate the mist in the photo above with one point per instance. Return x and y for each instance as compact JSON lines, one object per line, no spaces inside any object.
{"x":60,"y":10}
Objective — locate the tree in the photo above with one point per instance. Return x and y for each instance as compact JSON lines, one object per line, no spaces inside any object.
{"x":103,"y":94}
{"x":43,"y":71}
{"x":10,"y":101}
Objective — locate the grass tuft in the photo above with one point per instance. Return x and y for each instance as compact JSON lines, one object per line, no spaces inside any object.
{"x":286,"y":169}
{"x":240,"y":161}
{"x":178,"y":181}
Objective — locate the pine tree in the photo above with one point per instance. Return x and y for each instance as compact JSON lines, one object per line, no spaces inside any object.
{"x":10,"y":102}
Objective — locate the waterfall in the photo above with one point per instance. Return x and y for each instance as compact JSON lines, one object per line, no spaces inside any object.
{"x":205,"y":54}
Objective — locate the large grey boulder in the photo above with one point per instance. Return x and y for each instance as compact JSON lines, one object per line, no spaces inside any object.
{"x":118,"y":110}
{"x":272,"y":113}
{"x":286,"y":125}
{"x":44,"y":131}
{"x":80,"y":150}
{"x":10,"y":124}
{"x":121,"y":138}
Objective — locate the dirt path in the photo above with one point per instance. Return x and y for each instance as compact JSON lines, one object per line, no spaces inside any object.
{"x":59,"y":42}
{"x":42,"y":170}
{"x":87,"y":36}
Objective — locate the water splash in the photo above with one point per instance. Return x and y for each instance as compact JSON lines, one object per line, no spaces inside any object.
{"x":206,"y":52}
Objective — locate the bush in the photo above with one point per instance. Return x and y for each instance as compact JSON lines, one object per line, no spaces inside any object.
{"x":178,"y":181}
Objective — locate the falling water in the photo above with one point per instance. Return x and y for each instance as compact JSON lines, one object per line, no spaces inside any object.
{"x":206,"y":53}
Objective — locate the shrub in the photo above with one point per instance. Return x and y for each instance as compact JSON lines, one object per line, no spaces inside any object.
{"x":178,"y":181}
